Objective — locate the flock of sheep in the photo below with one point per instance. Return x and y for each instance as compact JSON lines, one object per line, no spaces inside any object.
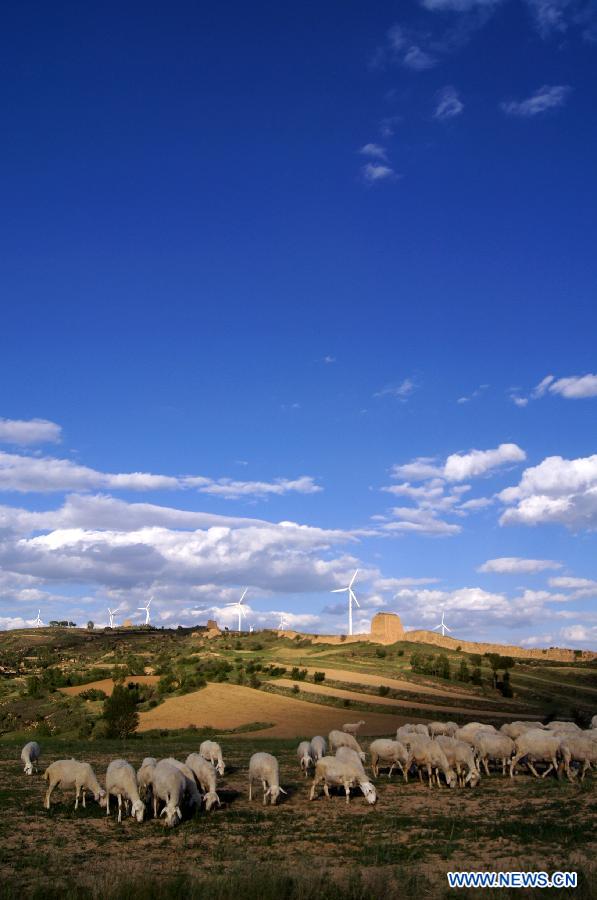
{"x":440,"y":749}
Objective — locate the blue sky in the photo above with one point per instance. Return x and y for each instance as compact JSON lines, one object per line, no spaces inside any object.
{"x":331,"y":266}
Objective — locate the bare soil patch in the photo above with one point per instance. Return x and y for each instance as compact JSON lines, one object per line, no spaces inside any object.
{"x":107,"y":684}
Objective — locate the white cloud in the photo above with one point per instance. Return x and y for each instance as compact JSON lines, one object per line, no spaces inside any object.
{"x":571,"y":583}
{"x":546,"y":98}
{"x":419,"y":469}
{"x":329,"y":359}
{"x":393,"y":584}
{"x":557,"y":490}
{"x":375,"y":172}
{"x":509,"y":565}
{"x":550,"y":15}
{"x":48,"y":474}
{"x":575,"y":387}
{"x":580,"y":634}
{"x":401,"y":391}
{"x":376,"y":151}
{"x":29,"y":431}
{"x":448,"y":105}
{"x":475,"y":394}
{"x":419,"y":521}
{"x":459,"y":467}
{"x":476,"y":503}
{"x":458,"y":5}
{"x":418,"y":59}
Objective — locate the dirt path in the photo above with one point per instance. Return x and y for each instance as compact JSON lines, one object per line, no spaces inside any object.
{"x":428,"y":709}
{"x":107,"y":685}
{"x":232,"y":706}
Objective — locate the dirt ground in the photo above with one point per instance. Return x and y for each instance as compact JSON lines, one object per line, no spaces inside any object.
{"x":400,"y":684}
{"x":522,"y":824}
{"x":427,"y":709}
{"x":231,"y":706}
{"x":107,"y":685}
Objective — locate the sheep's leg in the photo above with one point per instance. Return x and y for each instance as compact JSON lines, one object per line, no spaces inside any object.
{"x":548,"y":770}
{"x":119,"y":808}
{"x":107,"y":803}
{"x":485,"y":766}
{"x":83,"y":792}
{"x":77,"y":796}
{"x":250,"y":788}
{"x":532,"y":768}
{"x":48,"y":795}
{"x":347,"y":789}
{"x":430,"y":775}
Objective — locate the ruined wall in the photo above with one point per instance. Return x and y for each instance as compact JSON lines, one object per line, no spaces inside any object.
{"x":558,"y":654}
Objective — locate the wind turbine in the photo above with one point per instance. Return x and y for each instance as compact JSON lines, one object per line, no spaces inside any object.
{"x":351,"y":598}
{"x":240,"y":608}
{"x":112,"y":613}
{"x":443,"y":626}
{"x":283,"y":623}
{"x":38,"y":622}
{"x":146,"y":610}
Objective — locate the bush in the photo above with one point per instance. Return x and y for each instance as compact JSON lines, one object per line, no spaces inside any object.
{"x":476,"y":677}
{"x":120,"y":712}
{"x":318,"y":677}
{"x":381,"y":652}
{"x":295,"y":689}
{"x":298,"y":674}
{"x":383,"y":690}
{"x":463,"y":671}
{"x":93,"y":694}
{"x":401,"y":653}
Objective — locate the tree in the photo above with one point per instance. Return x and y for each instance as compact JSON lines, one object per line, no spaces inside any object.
{"x":443,"y":666}
{"x":90,"y":626}
{"x":506,"y":687}
{"x":476,"y":676}
{"x":463,"y":672}
{"x":120,"y":712}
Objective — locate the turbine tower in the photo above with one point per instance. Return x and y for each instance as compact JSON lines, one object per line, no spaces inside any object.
{"x":146,"y":610}
{"x":351,"y":598}
{"x":443,"y":626}
{"x":38,"y":622}
{"x":112,"y":613}
{"x":240,"y":608}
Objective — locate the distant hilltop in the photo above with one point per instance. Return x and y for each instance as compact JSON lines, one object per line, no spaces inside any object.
{"x":387,"y":628}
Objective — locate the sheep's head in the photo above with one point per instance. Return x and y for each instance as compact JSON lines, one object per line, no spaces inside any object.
{"x":273,"y":793}
{"x":472,"y":779}
{"x":363,"y":756}
{"x":138,"y":810}
{"x":101,"y":798}
{"x":173,"y":815}
{"x":211,"y":799}
{"x":451,"y":778}
{"x":220,"y":767}
{"x":368,"y":791}
{"x":29,"y":769}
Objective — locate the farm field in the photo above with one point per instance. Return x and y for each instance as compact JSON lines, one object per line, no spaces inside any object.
{"x":402,"y":847}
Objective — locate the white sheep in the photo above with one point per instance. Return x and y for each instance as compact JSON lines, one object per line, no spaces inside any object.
{"x":562,"y":726}
{"x":145,"y":776}
{"x":495,"y":748}
{"x":461,"y":758}
{"x":29,"y":756}
{"x":205,"y":774}
{"x":212,"y":751}
{"x":68,"y":773}
{"x":352,"y":727}
{"x":515,"y":729}
{"x":578,"y":748}
{"x":121,"y":781}
{"x":537,"y":746}
{"x":429,"y":755}
{"x":594,"y":722}
{"x":305,"y":758}
{"x":264,"y":767}
{"x":403,"y":730}
{"x":319,"y":747}
{"x":389,"y":753}
{"x":192,"y":795}
{"x":168,"y":784}
{"x":448,"y":729}
{"x":342,"y":771}
{"x":341,"y":739}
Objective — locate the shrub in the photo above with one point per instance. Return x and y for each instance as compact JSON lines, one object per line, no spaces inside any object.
{"x":295,"y":689}
{"x":476,"y":677}
{"x":318,"y":677}
{"x":401,"y":653}
{"x":463,"y":671}
{"x":120,"y":712}
{"x":381,"y":652}
{"x":383,"y":690}
{"x":93,"y":694}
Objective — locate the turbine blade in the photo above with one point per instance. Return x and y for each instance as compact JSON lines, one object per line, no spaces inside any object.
{"x":447,"y":629}
{"x":354,"y":599}
{"x":338,"y":590}
{"x":436,"y":627}
{"x":243,"y":596}
{"x":353,"y":578}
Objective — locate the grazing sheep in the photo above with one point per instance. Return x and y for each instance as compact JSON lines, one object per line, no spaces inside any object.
{"x":494,"y":747}
{"x":578,"y":748}
{"x":205,"y":774}
{"x":168,"y":784}
{"x":305,"y":758}
{"x":429,"y":755}
{"x":68,"y":773}
{"x":448,"y":729}
{"x":403,"y":730}
{"x":212,"y":751}
{"x":389,"y":753}
{"x":145,"y":776}
{"x":29,"y":756}
{"x":594,"y":722}
{"x":264,"y":767}
{"x":515,"y":729}
{"x":461,"y":758}
{"x":342,"y":772}
{"x":191,"y":794}
{"x":121,"y":781}
{"x":537,"y":746}
{"x":341,"y":739}
{"x":352,"y":727}
{"x":319,"y":747}
{"x":562,"y":726}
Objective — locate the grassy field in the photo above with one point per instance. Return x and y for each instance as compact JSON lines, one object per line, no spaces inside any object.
{"x":401,"y":847}
{"x":263,"y":692}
